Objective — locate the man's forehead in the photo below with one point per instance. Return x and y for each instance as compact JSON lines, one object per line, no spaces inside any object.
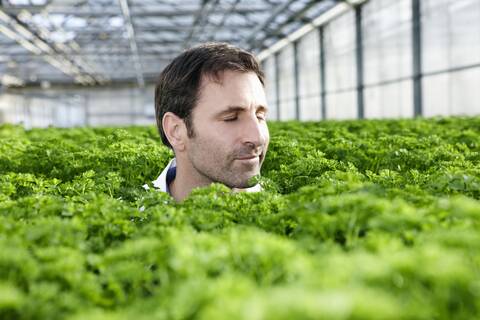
{"x":215,"y":77}
{"x":232,"y":88}
{"x":219,"y":77}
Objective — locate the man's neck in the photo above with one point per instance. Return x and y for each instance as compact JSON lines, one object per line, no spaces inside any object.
{"x":186,"y":179}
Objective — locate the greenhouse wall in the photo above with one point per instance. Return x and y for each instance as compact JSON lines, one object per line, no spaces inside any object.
{"x":270,"y":87}
{"x":310,"y":108}
{"x":379,"y":59}
{"x":70,"y":107}
{"x":286,"y":84}
{"x":383,"y":59}
{"x":451,"y":57}
{"x":340,"y":68}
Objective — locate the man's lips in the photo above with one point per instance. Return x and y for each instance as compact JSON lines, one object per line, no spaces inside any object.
{"x":247,"y":157}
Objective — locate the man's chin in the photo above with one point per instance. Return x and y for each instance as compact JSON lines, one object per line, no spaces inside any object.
{"x":246,"y":183}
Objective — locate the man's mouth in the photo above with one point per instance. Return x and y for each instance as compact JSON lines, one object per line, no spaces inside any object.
{"x":250,"y":161}
{"x":251,"y":158}
{"x":248,"y":157}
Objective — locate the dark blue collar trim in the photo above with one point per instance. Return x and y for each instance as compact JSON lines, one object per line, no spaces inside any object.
{"x":171,"y":173}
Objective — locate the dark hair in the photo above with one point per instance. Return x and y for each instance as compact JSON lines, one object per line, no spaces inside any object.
{"x":177,"y":90}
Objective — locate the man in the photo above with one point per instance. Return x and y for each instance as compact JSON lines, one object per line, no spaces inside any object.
{"x":211,"y":109}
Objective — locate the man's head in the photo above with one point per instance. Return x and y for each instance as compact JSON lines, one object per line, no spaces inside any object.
{"x":210,"y":109}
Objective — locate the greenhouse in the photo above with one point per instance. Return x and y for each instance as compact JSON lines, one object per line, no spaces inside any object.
{"x":239,"y":159}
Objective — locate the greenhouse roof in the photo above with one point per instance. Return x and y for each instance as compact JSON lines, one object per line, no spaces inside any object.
{"x":95,"y":42}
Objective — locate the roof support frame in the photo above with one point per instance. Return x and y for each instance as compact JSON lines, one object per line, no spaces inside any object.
{"x":133,"y":43}
{"x":200,"y":16}
{"x":34,"y":43}
{"x":250,"y":39}
{"x":94,"y":39}
{"x":224,"y":18}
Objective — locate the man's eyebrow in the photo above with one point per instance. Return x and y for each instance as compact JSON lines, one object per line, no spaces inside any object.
{"x":232,"y":109}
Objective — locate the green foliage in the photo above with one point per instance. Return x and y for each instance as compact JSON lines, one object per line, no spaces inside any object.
{"x":358,"y":220}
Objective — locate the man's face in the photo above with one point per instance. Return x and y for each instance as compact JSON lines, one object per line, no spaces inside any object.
{"x":231,"y":134}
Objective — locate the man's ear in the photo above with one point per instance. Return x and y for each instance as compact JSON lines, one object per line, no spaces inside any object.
{"x":175,"y":130}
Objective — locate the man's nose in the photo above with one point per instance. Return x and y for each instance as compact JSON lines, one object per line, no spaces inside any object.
{"x":253,"y":132}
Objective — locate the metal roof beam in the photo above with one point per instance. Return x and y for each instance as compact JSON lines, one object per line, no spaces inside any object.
{"x":164,"y":29}
{"x":270,"y":19}
{"x":205,"y":21}
{"x":24,"y":56}
{"x":297,"y":16}
{"x":157,"y":30}
{"x":224,"y":19}
{"x":31,"y":41}
{"x":114,"y":41}
{"x":133,"y":44}
{"x":200,"y":15}
{"x":107,"y":12}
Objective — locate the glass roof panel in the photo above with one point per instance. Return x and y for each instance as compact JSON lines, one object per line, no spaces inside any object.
{"x":68,"y":38}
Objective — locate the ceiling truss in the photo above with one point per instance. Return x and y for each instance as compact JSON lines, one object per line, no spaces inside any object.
{"x":96,"y":42}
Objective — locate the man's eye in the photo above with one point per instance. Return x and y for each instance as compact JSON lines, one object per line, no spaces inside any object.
{"x":230,"y":119}
{"x":261,"y":116}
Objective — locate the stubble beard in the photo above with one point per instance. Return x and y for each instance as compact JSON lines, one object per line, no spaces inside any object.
{"x":223,"y":171}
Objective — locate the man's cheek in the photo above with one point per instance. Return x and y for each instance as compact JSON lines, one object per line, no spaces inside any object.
{"x":266,"y":135}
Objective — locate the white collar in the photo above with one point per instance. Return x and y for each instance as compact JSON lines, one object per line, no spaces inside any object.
{"x":161,"y":182}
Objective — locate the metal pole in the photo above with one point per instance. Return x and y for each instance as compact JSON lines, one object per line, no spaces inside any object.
{"x":359,"y":61}
{"x":133,"y":96}
{"x":323,"y":96}
{"x":277,"y":84}
{"x":296,"y":80}
{"x":28,"y":114}
{"x":417,"y":58}
{"x":133,"y":42}
{"x":87,"y":109}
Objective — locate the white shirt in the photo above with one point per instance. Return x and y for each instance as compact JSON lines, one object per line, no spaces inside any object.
{"x":168,"y":175}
